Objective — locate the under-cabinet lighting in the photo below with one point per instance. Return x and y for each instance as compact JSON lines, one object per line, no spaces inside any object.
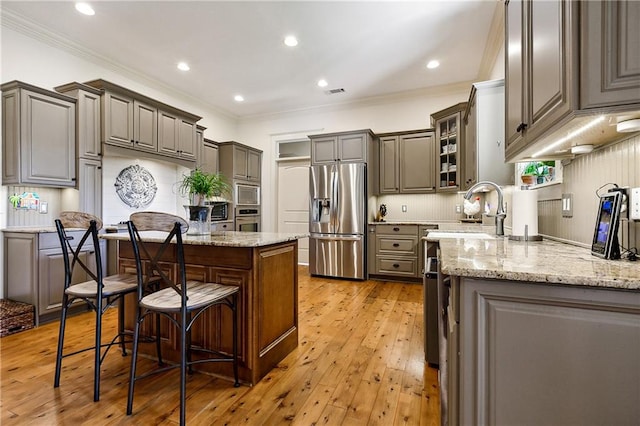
{"x":570,"y":136}
{"x":238,"y":98}
{"x":183,"y":66}
{"x":322,"y":83}
{"x":85,"y":9}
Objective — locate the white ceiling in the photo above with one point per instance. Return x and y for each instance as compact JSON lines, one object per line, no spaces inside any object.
{"x":369,"y":48}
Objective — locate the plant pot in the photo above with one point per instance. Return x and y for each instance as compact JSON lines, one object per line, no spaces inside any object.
{"x":197,"y":199}
{"x":528,"y":179}
{"x":199,"y":218}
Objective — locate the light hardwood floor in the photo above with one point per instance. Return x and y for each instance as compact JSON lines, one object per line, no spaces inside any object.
{"x":360,"y":360}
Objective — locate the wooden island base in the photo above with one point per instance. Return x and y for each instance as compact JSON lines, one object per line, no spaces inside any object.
{"x":268,"y":305}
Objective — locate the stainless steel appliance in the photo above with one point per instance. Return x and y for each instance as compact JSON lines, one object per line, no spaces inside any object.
{"x":219,"y":210}
{"x":430,"y":303}
{"x":247,"y":195}
{"x":247,"y":219}
{"x":337,"y":220}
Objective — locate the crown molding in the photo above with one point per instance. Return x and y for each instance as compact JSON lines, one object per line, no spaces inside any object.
{"x":32,"y":30}
{"x":495,"y":41}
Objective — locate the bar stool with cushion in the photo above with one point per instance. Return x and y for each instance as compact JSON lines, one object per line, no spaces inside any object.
{"x":99,"y":292}
{"x":180,"y":300}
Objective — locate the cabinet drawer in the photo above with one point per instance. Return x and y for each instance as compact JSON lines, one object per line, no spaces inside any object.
{"x":50,"y":240}
{"x":398,"y":246}
{"x":397,"y":229}
{"x":396,"y":266}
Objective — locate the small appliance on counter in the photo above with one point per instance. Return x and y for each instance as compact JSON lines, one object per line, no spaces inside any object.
{"x":382,"y":212}
{"x":605,"y":237}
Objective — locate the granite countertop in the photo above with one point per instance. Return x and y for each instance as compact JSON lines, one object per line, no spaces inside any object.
{"x":31,"y":229}
{"x":220,"y":239}
{"x":544,"y":261}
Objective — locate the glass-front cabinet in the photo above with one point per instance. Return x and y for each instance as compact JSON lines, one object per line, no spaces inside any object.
{"x":449,"y":137}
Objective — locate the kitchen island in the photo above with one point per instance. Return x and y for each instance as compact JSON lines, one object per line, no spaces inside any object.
{"x":538,"y":333}
{"x":265,"y":267}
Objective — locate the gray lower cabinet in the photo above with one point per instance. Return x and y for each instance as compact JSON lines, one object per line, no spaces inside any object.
{"x":38,"y":136}
{"x":539,"y":354}
{"x":34,"y":270}
{"x":396,"y":251}
{"x":406,"y":162}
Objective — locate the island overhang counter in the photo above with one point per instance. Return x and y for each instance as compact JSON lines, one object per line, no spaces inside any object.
{"x":263,"y":265}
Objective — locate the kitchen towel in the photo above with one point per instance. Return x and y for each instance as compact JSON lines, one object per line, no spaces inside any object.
{"x":525,"y":212}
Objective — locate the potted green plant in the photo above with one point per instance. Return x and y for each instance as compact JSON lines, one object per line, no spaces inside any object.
{"x":536,"y":171}
{"x":200,"y":185}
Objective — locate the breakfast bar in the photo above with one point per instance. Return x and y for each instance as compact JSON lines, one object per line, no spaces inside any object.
{"x":263,"y":265}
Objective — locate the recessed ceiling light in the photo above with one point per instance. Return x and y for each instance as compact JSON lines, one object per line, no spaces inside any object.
{"x":183,"y":66}
{"x":291,"y":41}
{"x":323,"y":83}
{"x":433,"y":64}
{"x":238,"y":98}
{"x":85,"y":9}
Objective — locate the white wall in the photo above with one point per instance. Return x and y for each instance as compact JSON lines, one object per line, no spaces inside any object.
{"x":384,"y":115}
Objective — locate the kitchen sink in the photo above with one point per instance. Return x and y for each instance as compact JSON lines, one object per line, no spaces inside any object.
{"x":477,"y":235}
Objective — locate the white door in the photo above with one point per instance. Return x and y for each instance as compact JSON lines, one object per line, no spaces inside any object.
{"x":293,"y":202}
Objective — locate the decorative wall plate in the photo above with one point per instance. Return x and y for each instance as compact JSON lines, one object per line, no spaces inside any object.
{"x":135,"y":186}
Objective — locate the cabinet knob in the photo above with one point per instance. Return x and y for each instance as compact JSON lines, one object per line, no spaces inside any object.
{"x":396,"y":245}
{"x":396,"y":229}
{"x":395,"y":265}
{"x":132,"y":141}
{"x":521,"y":127}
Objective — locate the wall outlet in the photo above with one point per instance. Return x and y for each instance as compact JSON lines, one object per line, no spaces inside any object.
{"x":44,"y":207}
{"x":634,"y":204}
{"x":458,"y":209}
{"x":567,"y":205}
{"x":404,"y":208}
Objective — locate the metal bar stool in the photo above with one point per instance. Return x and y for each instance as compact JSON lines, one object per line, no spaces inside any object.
{"x":99,"y":292}
{"x":179,"y":300}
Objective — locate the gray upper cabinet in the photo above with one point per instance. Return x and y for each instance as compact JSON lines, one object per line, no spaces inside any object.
{"x":483,"y":157}
{"x":406,"y":162}
{"x":89,"y":146}
{"x":540,"y":59}
{"x":209,"y":157}
{"x":176,"y":136}
{"x":610,"y":55}
{"x":134,"y":121}
{"x":38,"y":136}
{"x":449,"y":139}
{"x":344,"y":146}
{"x":389,"y":173}
{"x":240,"y":162}
{"x":565,"y":62}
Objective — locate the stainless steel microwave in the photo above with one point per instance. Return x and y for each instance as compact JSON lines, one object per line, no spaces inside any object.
{"x":247,"y":195}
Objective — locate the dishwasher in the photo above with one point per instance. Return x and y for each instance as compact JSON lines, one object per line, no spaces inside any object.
{"x":430,"y":303}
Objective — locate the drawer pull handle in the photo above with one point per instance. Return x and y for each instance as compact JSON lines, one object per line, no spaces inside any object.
{"x":395,"y":265}
{"x":396,"y":229}
{"x":396,"y":245}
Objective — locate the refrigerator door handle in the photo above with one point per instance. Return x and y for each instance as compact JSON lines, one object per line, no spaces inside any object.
{"x":334,"y":197}
{"x":333,"y":237}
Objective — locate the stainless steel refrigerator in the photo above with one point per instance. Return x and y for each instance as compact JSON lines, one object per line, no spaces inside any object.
{"x":337,"y":222}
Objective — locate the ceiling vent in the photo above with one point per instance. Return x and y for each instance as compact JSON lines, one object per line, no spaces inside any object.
{"x":334,"y":91}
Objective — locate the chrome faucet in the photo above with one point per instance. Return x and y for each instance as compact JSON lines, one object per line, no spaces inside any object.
{"x":500,"y":213}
